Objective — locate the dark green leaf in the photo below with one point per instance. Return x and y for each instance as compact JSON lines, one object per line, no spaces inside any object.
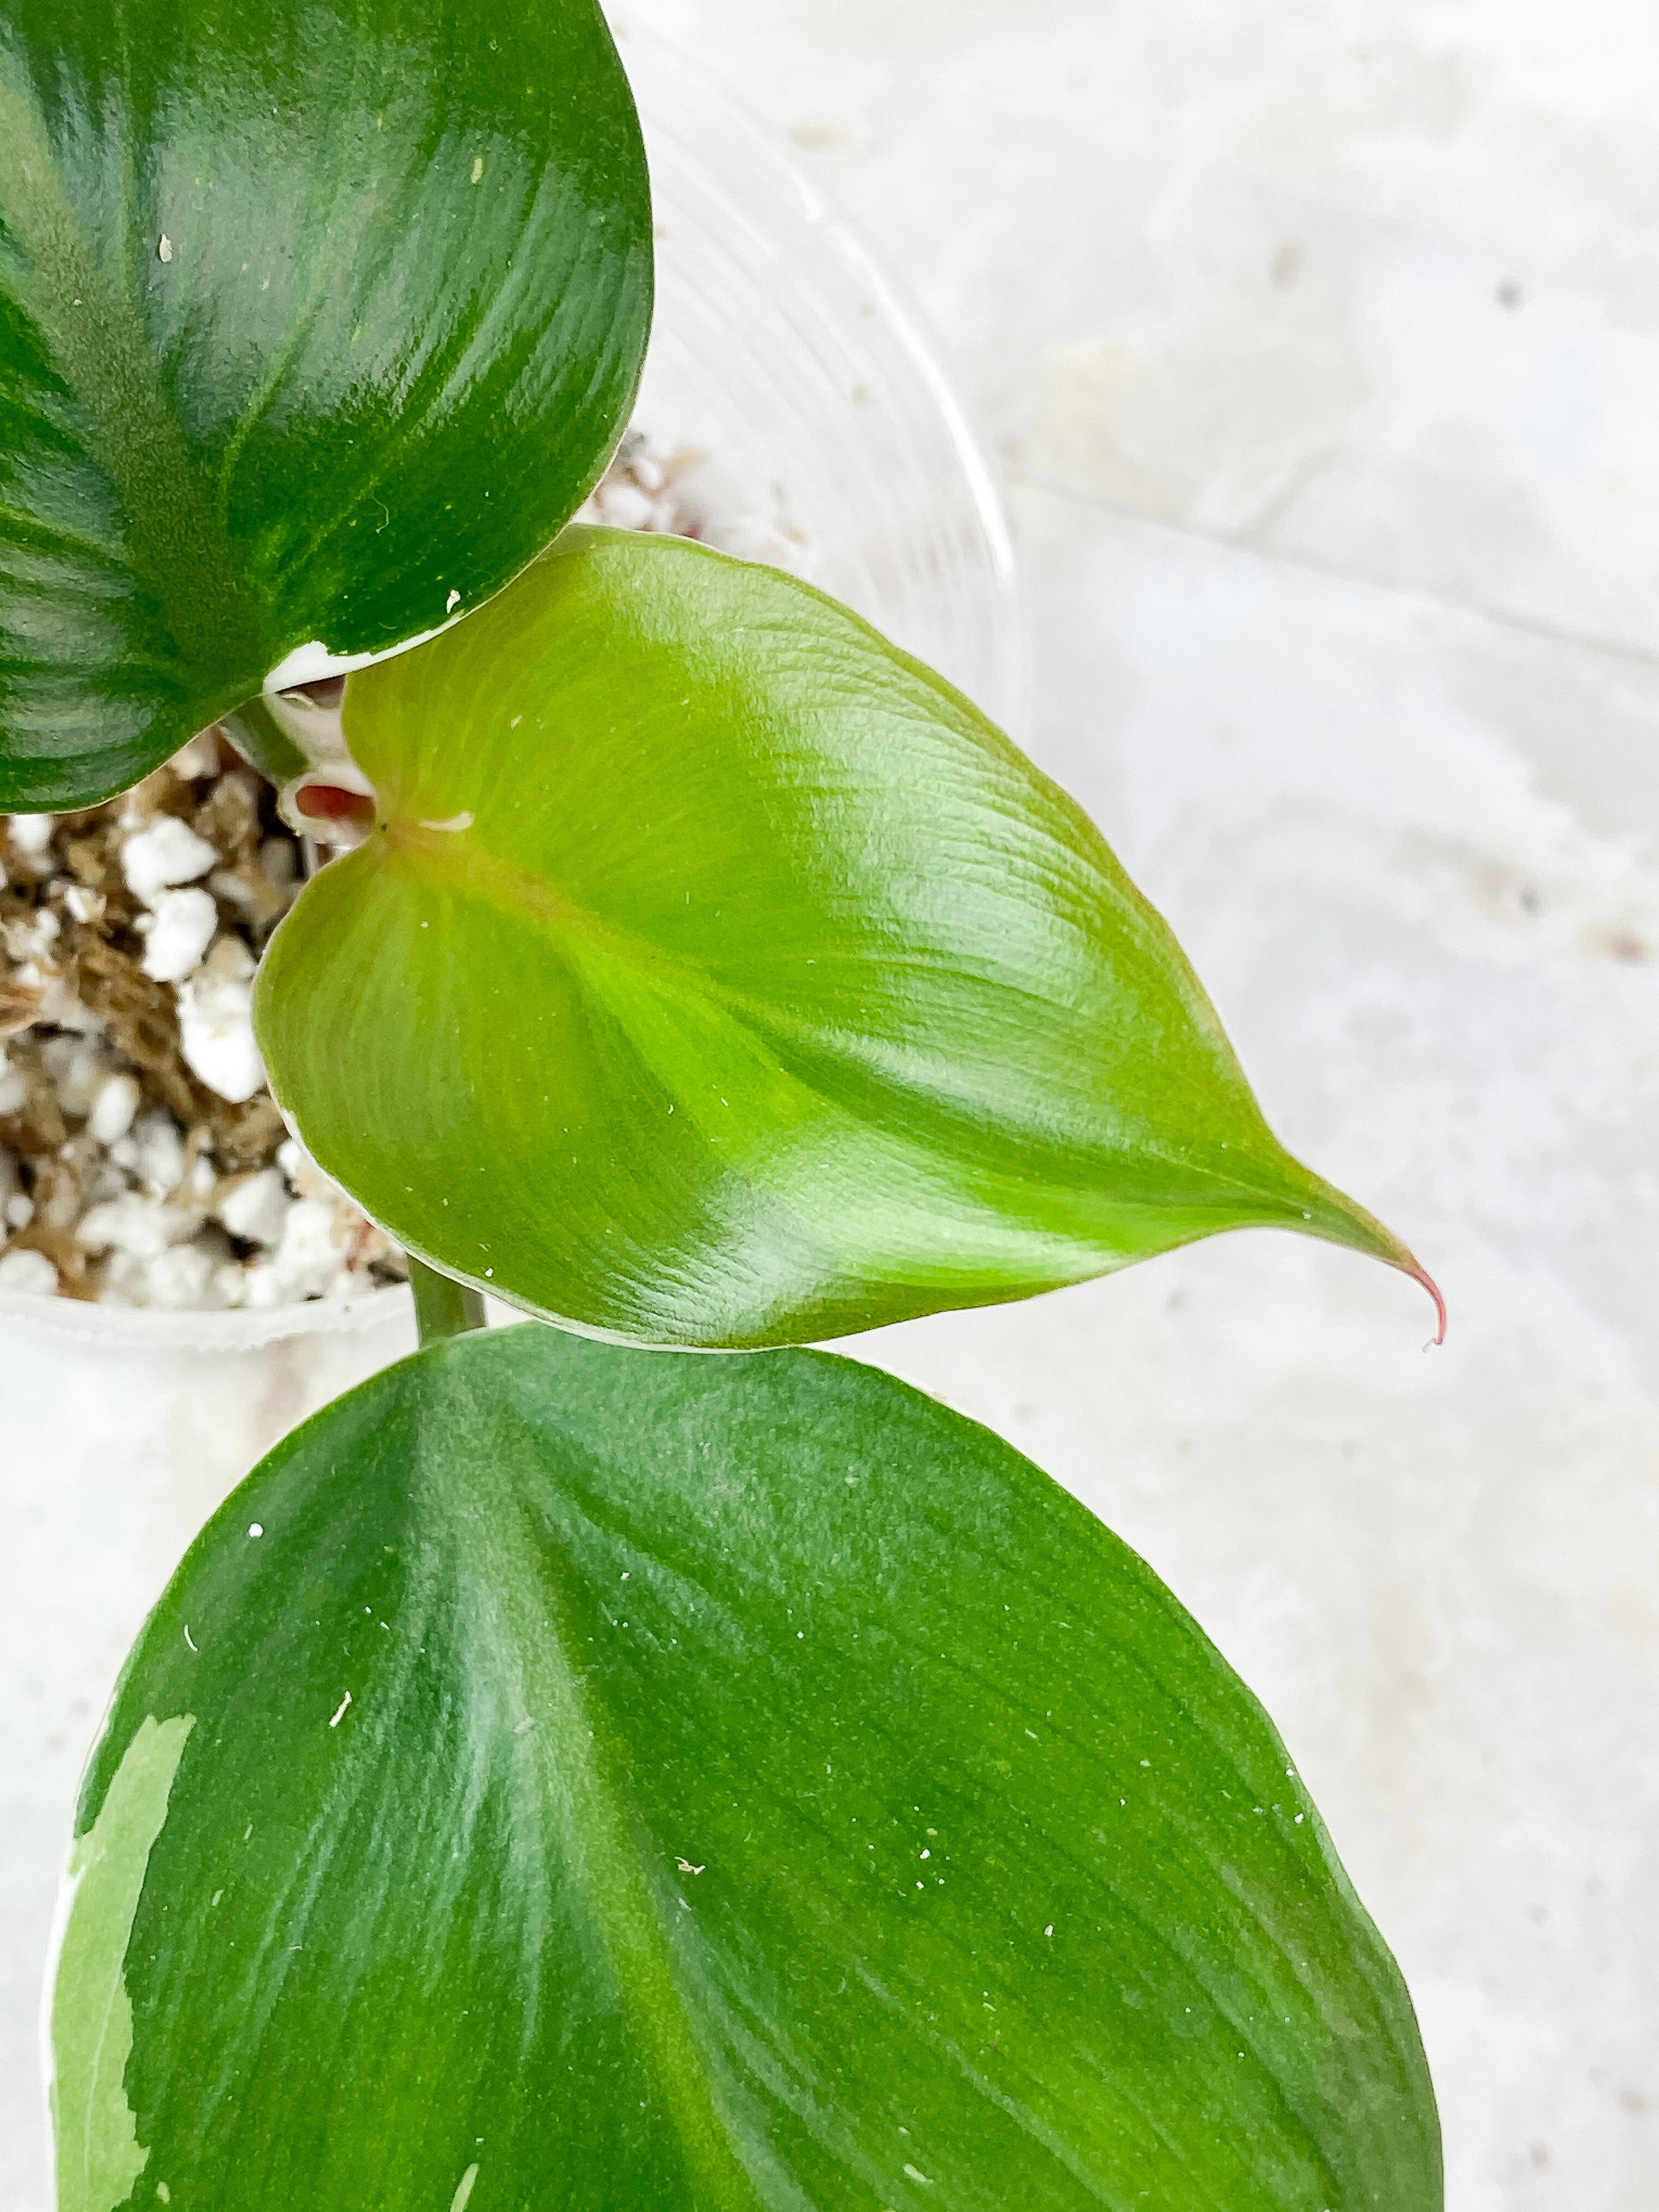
{"x":717,"y":974}
{"x":316,"y":322}
{"x":570,"y":1778}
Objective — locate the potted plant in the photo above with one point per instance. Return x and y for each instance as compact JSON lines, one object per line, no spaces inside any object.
{"x":574,"y":1770}
{"x":128,"y":1422}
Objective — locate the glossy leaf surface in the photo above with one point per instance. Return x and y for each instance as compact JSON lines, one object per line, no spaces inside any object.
{"x":566,"y":1777}
{"x":316,"y":322}
{"x":717,"y":974}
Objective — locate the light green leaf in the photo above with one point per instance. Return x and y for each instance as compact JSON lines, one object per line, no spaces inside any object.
{"x":627,"y":1780}
{"x":716,"y":975}
{"x":99,"y":2153}
{"x":316,"y":322}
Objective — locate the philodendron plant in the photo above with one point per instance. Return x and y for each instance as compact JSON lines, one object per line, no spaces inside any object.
{"x":570,"y":1772}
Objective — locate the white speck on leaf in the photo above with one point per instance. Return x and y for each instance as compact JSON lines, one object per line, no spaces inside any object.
{"x":191,"y":1640}
{"x":451,"y":603}
{"x":255,"y":1529}
{"x":341,"y":1715}
{"x":686,"y":1866}
{"x":477,"y":169}
{"x":1049,"y":1930}
{"x":457,"y":2202}
{"x":916,"y":2176}
{"x":164,"y":248}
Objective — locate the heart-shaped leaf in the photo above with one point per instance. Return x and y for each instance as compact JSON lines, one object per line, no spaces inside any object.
{"x":717,"y":974}
{"x":316,"y":322}
{"x":569,"y":1777}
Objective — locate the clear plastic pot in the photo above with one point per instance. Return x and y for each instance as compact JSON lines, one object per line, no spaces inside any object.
{"x":782,"y":350}
{"x":834,"y":446}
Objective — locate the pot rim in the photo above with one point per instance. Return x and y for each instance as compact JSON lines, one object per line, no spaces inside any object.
{"x":192,"y":1328}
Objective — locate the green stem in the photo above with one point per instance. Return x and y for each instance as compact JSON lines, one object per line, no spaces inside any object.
{"x":261,"y":739}
{"x":443,"y":1306}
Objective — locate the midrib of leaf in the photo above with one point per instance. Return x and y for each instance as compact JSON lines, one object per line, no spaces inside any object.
{"x":95,"y":337}
{"x":460,"y":862}
{"x":569,"y":1745}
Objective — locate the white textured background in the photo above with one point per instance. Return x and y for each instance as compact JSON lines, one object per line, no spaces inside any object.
{"x":1318,"y":342}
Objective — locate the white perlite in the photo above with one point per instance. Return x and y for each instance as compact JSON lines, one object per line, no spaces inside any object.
{"x":139,"y":1227}
{"x":106,"y":1191}
{"x":183,"y":1277}
{"x":28,"y":941}
{"x":113,"y":1108}
{"x":154,"y":1152}
{"x":167,"y":851}
{"x":306,"y":1262}
{"x":29,"y":1271}
{"x":258,"y":1208}
{"x":79,"y":1070}
{"x":216,"y":1023}
{"x":185,"y":924}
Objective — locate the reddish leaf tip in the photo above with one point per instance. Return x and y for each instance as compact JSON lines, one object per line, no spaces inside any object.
{"x":1419,"y":1274}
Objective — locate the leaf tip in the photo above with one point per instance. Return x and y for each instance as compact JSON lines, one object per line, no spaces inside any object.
{"x":1338,"y":1218}
{"x":1419,"y":1273}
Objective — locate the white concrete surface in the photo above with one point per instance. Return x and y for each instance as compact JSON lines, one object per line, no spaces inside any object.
{"x":1440,"y":1572}
{"x":1320,"y":342}
{"x":1373,"y":284}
